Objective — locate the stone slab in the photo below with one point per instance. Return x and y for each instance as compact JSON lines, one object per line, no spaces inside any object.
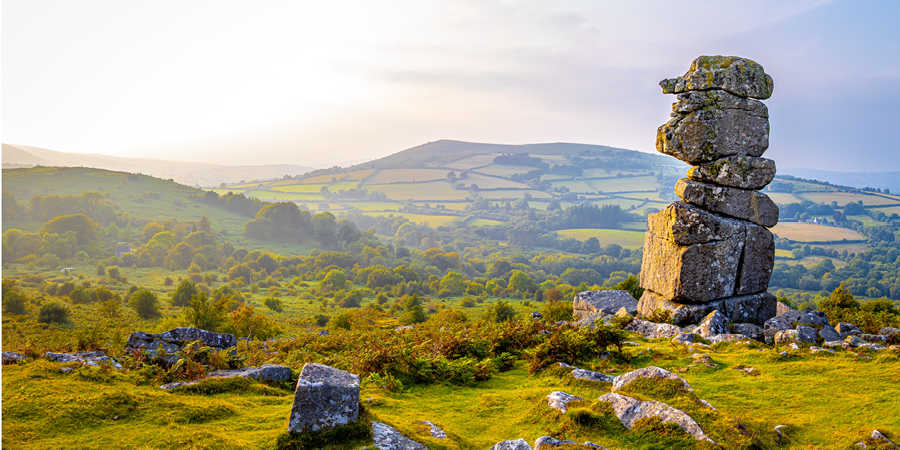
{"x":740,"y":203}
{"x":740,"y":76}
{"x":738,"y":171}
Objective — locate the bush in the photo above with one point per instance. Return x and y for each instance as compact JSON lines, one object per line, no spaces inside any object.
{"x":101,"y":270}
{"x":184,"y":293}
{"x":145,"y":304}
{"x":467,"y":302}
{"x":574,"y":345}
{"x":168,"y":281}
{"x":501,"y":311}
{"x":53,"y":312}
{"x":246,"y":322}
{"x":274,"y":304}
{"x":207,"y":314}
{"x":80,"y":295}
{"x":13,"y":299}
{"x":555,"y":311}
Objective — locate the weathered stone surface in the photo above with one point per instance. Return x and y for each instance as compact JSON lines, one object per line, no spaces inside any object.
{"x":695,"y":273}
{"x":714,"y":323}
{"x":325,"y":398}
{"x":749,"y":330}
{"x":832,"y":344}
{"x":757,"y":261}
{"x":854,"y":340}
{"x":847,"y":329}
{"x":686,"y":338}
{"x":892,"y":334}
{"x":874,"y":338}
{"x":687,"y":224}
{"x":93,"y":359}
{"x":809,"y":333}
{"x":740,"y":203}
{"x":872,"y":346}
{"x":387,"y":437}
{"x":597,"y":304}
{"x":518,"y":444}
{"x":815,"y":350}
{"x":266,"y":372}
{"x":828,"y":333}
{"x":625,"y":379}
{"x":737,"y":171}
{"x":755,"y":308}
{"x":435,"y":431}
{"x":547,"y":442}
{"x":173,"y":340}
{"x":536,"y":315}
{"x":629,"y":410}
{"x":12,"y":357}
{"x":740,"y":76}
{"x":652,"y":330}
{"x":792,"y":336}
{"x":582,"y":374}
{"x":781,"y":308}
{"x":558,"y":400}
{"x":682,"y":313}
{"x":713,"y":133}
{"x":788,"y":320}
{"x":729,"y":337}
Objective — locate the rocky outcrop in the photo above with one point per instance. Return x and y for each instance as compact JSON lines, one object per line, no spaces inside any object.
{"x":266,"y":372}
{"x":164,"y":347}
{"x":652,"y":330}
{"x":387,"y":437}
{"x":713,"y":324}
{"x":629,"y":410}
{"x":558,"y":400}
{"x":582,"y":374}
{"x":589,"y":306}
{"x":713,"y":251}
{"x":325,"y":398}
{"x":625,"y":379}
{"x":547,"y":442}
{"x":93,"y":359}
{"x":12,"y":357}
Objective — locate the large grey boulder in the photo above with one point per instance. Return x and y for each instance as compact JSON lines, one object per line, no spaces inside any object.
{"x":828,"y":333}
{"x":725,"y":126}
{"x":593,"y":305}
{"x":757,"y":261}
{"x":847,"y":329}
{"x":625,"y":379}
{"x":547,"y":442}
{"x":890,"y":333}
{"x":790,"y":319}
{"x":740,"y":76}
{"x":696,"y":273}
{"x":739,"y":171}
{"x":518,"y":444}
{"x":652,"y":330}
{"x":629,"y":410}
{"x":781,"y":308}
{"x":793,"y":337}
{"x":387,"y":437}
{"x":809,"y":333}
{"x":325,"y":398}
{"x":740,"y":203}
{"x":750,"y":330}
{"x":583,"y":374}
{"x":753,"y":308}
{"x":558,"y":400}
{"x":172,"y":341}
{"x":93,"y":359}
{"x":714,"y":323}
{"x":686,"y":224}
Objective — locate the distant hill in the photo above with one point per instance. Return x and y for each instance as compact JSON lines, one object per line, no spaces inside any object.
{"x":879,"y":180}
{"x":188,"y":173}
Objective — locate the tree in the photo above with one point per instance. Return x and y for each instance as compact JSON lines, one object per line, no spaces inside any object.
{"x":207,"y":314}
{"x":325,"y":229}
{"x":184,"y":292}
{"x":336,"y":279}
{"x":84,"y":227}
{"x":454,"y":283}
{"x":53,"y":312}
{"x":520,"y":281}
{"x":13,"y":298}
{"x":145,"y":303}
{"x":247,"y":322}
{"x":840,"y":298}
{"x":501,"y":311}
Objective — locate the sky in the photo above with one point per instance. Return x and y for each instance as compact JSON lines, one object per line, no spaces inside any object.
{"x":320,"y":82}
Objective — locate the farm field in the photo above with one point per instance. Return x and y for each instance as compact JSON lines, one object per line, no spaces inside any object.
{"x":842,"y":198}
{"x":889,"y":209}
{"x":626,"y":184}
{"x":513,"y":194}
{"x":504,"y":170}
{"x":783,"y":198}
{"x":627,"y":239}
{"x":485,"y":182}
{"x":455,"y":206}
{"x":802,"y":186}
{"x":866,"y":220}
{"x":433,"y":190}
{"x":374,"y":206}
{"x":431,"y":220}
{"x":635,"y":226}
{"x":471,"y":162}
{"x":388,"y":176}
{"x":784,"y":254}
{"x":806,"y":232}
{"x":576,"y":186}
{"x":652,"y":196}
{"x":476,"y":222}
{"x":812,"y":260}
{"x":302,"y":188}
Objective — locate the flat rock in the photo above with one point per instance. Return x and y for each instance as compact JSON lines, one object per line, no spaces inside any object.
{"x":738,"y":171}
{"x":266,"y":372}
{"x":740,"y":203}
{"x":172,"y":342}
{"x":629,"y":410}
{"x":815,"y":349}
{"x":686,"y":338}
{"x":714,"y":323}
{"x":832,"y":344}
{"x":582,"y":374}
{"x":872,"y":346}
{"x":889,"y":332}
{"x":12,"y":357}
{"x":749,"y":330}
{"x":387,"y":437}
{"x":788,"y":320}
{"x":597,"y":304}
{"x":854,"y":340}
{"x":652,"y":330}
{"x":784,"y":337}
{"x":757,"y":261}
{"x":625,"y":379}
{"x":518,"y":444}
{"x":874,"y":338}
{"x":687,"y":224}
{"x":809,"y":333}
{"x":847,"y":329}
{"x":710,"y":134}
{"x":558,"y":400}
{"x":695,"y":273}
{"x":325,"y":398}
{"x":828,"y":333}
{"x":93,"y":359}
{"x":546,"y":442}
{"x":740,"y":76}
{"x":729,"y":337}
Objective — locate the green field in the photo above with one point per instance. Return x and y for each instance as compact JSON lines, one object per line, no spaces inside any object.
{"x":627,"y":239}
{"x":842,"y":198}
{"x":429,"y":191}
{"x":389,"y":176}
{"x":503,"y":170}
{"x":374,"y":206}
{"x":806,"y":232}
{"x":626,"y":184}
{"x":471,"y":162}
{"x":485,"y":182}
{"x":782,"y":198}
{"x":513,"y":194}
{"x":302,"y":188}
{"x":430,"y":220}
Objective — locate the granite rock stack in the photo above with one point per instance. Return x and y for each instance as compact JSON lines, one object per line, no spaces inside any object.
{"x":713,"y":250}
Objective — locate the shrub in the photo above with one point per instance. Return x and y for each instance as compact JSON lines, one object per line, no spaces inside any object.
{"x":274,"y":304}
{"x":145,"y":304}
{"x":555,"y":311}
{"x":101,"y":270}
{"x":467,"y":302}
{"x":246,"y":321}
{"x":207,"y":314}
{"x":53,"y":312}
{"x":80,"y":295}
{"x":65,"y":288}
{"x":168,"y":281}
{"x":13,"y":298}
{"x":501,"y":311}
{"x":184,"y":293}
{"x":340,"y":322}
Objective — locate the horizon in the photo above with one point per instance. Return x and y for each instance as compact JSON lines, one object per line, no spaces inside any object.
{"x":312,"y":85}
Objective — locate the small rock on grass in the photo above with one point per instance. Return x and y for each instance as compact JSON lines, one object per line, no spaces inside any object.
{"x":518,"y":444}
{"x":547,"y":442}
{"x":434,"y":430}
{"x":628,"y":410}
{"x":625,"y":379}
{"x":582,"y":374}
{"x":879,"y":439}
{"x":12,"y":357}
{"x":387,"y":437}
{"x":815,"y":349}
{"x":558,"y":400}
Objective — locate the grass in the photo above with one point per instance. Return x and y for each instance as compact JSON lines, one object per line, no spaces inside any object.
{"x":389,"y":176}
{"x":374,"y":206}
{"x":324,"y":179}
{"x":471,"y":162}
{"x":807,"y":232}
{"x":431,"y":220}
{"x":626,"y":184}
{"x":428,"y":191}
{"x":483,"y":222}
{"x":782,"y":198}
{"x":513,"y":194}
{"x":503,"y":170}
{"x":302,"y":188}
{"x":781,"y":253}
{"x":842,"y":198}
{"x":485,"y":182}
{"x":627,"y":239}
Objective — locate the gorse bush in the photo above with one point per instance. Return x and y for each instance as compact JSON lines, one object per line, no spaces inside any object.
{"x":145,"y":304}
{"x":274,"y":304}
{"x":53,"y":312}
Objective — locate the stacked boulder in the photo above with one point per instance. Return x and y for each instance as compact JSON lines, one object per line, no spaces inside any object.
{"x":713,"y":250}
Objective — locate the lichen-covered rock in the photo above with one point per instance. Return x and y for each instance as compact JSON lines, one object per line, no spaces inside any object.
{"x":547,"y":442}
{"x":737,"y":171}
{"x":687,"y":224}
{"x":854,"y":340}
{"x":597,"y":304}
{"x":714,"y":323}
{"x":387,"y":437}
{"x":809,"y":333}
{"x":753,"y":308}
{"x":828,"y":333}
{"x":740,"y":203}
{"x":686,"y":338}
{"x":325,"y":398}
{"x":713,"y":133}
{"x":874,"y":338}
{"x":847,"y":329}
{"x":518,"y":444}
{"x":266,"y":372}
{"x":872,"y":346}
{"x":749,"y":330}
{"x":583,"y":374}
{"x":681,"y":313}
{"x":784,"y":337}
{"x":813,"y":349}
{"x":740,"y":76}
{"x":892,"y":334}
{"x":558,"y":400}
{"x":435,"y":431}
{"x":172,"y":342}
{"x":652,"y":330}
{"x":781,"y":308}
{"x":93,"y":359}
{"x":695,"y":273}
{"x":757,"y":261}
{"x":729,"y":337}
{"x":625,"y":379}
{"x":629,"y":410}
{"x":12,"y":357}
{"x":788,"y":320}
